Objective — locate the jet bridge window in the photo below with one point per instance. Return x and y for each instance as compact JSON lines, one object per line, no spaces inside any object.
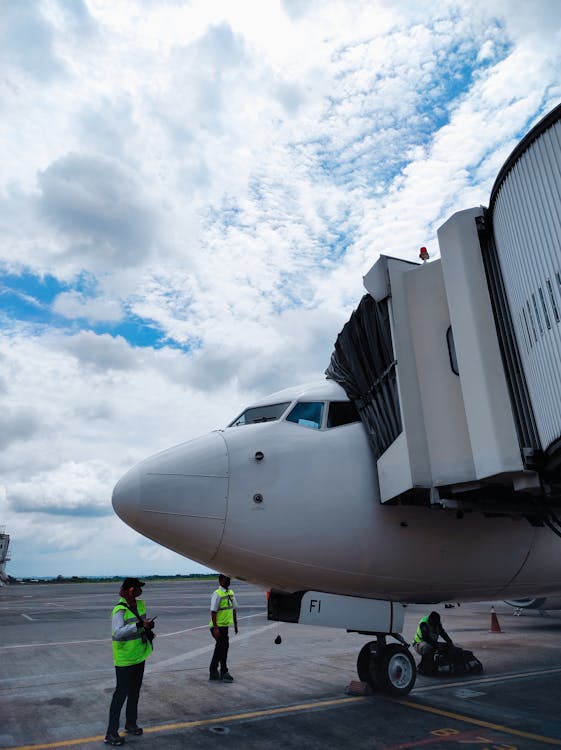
{"x":341,"y":412}
{"x":255,"y":414}
{"x":307,"y":414}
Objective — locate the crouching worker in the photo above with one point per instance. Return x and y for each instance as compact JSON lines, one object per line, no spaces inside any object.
{"x":132,"y":644}
{"x":426,"y":641}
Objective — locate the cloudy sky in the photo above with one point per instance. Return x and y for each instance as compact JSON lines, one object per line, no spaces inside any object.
{"x":190,"y":194}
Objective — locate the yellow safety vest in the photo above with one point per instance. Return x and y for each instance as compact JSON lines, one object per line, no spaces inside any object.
{"x":419,"y":634}
{"x":132,"y":650}
{"x":225,"y":613}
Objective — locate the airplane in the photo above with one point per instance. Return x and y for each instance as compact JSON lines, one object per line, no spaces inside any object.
{"x":285,"y":497}
{"x":424,"y":469}
{"x":541,"y":603}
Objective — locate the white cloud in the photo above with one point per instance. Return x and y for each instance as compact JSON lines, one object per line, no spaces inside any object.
{"x":227,"y":173}
{"x":97,"y":206}
{"x":17,"y":425}
{"x":75,"y":305}
{"x":103,"y":353}
{"x":69,"y":489}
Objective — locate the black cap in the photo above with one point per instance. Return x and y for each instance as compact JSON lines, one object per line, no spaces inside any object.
{"x":132,"y":583}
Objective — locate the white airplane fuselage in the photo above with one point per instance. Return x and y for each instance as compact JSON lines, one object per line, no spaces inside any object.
{"x":292,"y":508}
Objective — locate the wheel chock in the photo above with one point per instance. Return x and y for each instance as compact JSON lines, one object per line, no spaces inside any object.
{"x":357,"y":687}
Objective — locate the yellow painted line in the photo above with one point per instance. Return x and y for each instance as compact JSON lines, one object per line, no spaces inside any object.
{"x":62,"y":743}
{"x":480,"y":723}
{"x":202,"y":722}
{"x":311,"y":706}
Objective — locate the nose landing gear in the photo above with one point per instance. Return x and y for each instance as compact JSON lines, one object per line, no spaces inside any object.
{"x":388,"y":668}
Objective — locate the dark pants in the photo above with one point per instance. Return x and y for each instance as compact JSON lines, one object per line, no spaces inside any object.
{"x":220,"y":650}
{"x":427,"y":651}
{"x":129,"y":682}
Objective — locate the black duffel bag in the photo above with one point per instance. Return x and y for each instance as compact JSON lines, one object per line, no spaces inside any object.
{"x":450,"y":660}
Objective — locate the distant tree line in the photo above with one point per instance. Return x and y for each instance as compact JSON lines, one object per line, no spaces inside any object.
{"x":110,"y":579}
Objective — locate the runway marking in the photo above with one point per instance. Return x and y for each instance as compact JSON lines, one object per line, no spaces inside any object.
{"x":313,"y":705}
{"x":105,"y":640}
{"x":204,"y":649}
{"x":56,"y":643}
{"x":206,"y":627}
{"x":478,"y":722}
{"x":488,"y":680}
{"x":204,"y":722}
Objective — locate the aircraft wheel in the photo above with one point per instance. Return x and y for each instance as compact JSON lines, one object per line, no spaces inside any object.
{"x":366,"y":664}
{"x":395,"y":670}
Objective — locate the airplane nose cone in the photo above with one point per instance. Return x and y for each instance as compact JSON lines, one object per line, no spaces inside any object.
{"x":178,"y":497}
{"x":126,"y":496}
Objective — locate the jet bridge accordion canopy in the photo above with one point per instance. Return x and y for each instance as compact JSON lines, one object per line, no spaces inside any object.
{"x":364,"y":365}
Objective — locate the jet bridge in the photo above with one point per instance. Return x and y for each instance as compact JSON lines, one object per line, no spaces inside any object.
{"x":454,"y":365}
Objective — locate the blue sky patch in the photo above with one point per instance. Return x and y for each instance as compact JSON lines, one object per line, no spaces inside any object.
{"x":28,"y":298}
{"x":43,"y":289}
{"x":379,"y":141}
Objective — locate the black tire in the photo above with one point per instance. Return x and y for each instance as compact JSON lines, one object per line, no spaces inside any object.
{"x":366,"y":664}
{"x":395,"y":670}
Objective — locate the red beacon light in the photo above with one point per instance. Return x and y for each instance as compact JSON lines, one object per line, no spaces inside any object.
{"x":424,"y":254}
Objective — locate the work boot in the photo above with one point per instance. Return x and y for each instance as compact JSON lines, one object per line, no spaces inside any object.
{"x":133,"y":729}
{"x":114,"y":739}
{"x":226,"y":677}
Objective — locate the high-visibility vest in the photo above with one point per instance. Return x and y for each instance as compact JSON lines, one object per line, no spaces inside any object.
{"x":225,"y":613}
{"x":132,"y":650}
{"x":419,"y":634}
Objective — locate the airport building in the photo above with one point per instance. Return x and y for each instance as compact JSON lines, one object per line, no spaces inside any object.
{"x":4,"y":543}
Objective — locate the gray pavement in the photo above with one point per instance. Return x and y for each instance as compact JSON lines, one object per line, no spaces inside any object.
{"x":57,"y":678}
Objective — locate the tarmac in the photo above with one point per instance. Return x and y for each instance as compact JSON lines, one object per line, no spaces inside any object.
{"x":57,"y":677}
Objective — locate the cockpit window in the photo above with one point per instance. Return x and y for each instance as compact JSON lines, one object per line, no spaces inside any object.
{"x":341,"y":412}
{"x":307,"y":413}
{"x":256,"y":414}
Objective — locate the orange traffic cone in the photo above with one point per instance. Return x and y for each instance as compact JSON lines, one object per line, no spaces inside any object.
{"x":495,"y":627}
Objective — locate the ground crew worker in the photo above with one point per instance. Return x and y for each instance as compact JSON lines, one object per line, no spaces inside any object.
{"x":223,"y":607}
{"x":426,"y":641}
{"x":132,"y":644}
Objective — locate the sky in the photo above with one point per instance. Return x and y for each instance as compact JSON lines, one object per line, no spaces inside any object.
{"x":190,"y":195}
